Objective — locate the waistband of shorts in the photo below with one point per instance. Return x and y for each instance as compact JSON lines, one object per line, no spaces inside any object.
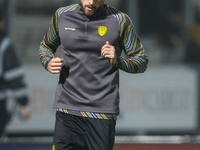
{"x":88,"y":114}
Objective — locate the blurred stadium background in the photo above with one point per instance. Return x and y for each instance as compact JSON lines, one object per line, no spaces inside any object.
{"x":161,"y":109}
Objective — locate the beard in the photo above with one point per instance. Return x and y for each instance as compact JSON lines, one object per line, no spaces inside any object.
{"x":89,"y":13}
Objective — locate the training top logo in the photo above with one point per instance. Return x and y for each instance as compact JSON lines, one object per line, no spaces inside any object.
{"x":102,"y":30}
{"x":71,"y":29}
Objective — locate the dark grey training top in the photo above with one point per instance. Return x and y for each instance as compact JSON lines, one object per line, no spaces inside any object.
{"x":88,"y":82}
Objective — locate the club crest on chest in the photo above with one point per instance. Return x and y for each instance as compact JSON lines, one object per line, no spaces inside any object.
{"x":102,"y":30}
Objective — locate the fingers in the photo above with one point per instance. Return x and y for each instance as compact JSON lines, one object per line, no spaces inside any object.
{"x":57,"y":62}
{"x":108,"y":51}
{"x":55,"y":65}
{"x":107,"y":45}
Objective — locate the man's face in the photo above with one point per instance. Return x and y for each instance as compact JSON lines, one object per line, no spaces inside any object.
{"x":91,"y":6}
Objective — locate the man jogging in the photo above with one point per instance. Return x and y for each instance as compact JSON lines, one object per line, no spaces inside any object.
{"x":92,"y":36}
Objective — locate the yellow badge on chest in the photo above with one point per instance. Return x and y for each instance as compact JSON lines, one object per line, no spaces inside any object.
{"x":102,"y":30}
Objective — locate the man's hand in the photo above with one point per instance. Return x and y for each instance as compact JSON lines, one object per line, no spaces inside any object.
{"x":55,"y":65}
{"x":108,"y":51}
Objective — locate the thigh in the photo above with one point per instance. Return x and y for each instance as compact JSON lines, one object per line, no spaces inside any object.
{"x":100,"y":134}
{"x":69,"y":132}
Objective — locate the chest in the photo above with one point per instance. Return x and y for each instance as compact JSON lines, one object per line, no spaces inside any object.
{"x":79,"y":33}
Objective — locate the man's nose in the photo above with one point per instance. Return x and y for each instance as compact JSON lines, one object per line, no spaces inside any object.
{"x":91,"y":2}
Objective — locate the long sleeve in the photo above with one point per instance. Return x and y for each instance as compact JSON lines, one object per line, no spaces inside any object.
{"x":136,"y":61}
{"x":50,"y":42}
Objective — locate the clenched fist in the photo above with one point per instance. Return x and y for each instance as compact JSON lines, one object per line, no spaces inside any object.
{"x":55,"y":65}
{"x":108,"y":51}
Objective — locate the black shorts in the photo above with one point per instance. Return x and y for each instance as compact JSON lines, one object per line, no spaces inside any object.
{"x":82,"y":133}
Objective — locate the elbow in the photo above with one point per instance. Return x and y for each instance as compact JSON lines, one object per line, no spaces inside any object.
{"x":143,"y":69}
{"x":143,"y":66}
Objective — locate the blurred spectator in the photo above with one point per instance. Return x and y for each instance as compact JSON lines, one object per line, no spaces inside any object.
{"x":170,"y":20}
{"x":163,"y":22}
{"x":170,"y":25}
{"x":11,"y":79}
{"x":192,"y":54}
{"x":114,"y":3}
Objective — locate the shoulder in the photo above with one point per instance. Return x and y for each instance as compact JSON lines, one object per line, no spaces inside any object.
{"x":120,"y":16}
{"x":65,"y":9}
